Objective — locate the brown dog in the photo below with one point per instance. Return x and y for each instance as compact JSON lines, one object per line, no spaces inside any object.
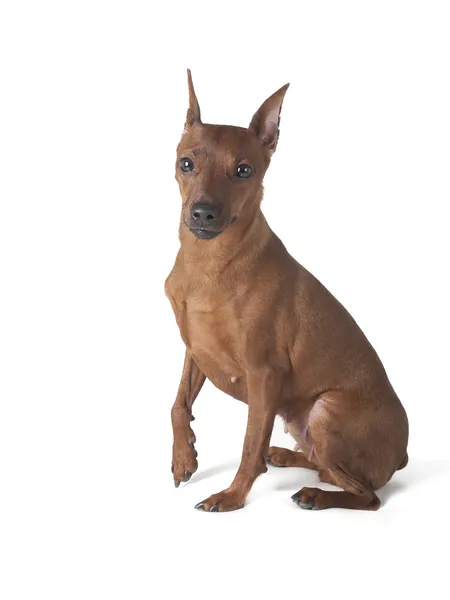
{"x":266,"y":332}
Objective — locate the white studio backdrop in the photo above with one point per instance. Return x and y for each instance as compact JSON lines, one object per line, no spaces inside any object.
{"x":92,"y":104}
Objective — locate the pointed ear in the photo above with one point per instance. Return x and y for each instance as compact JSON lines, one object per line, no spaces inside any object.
{"x":266,"y":120}
{"x":193,"y":113}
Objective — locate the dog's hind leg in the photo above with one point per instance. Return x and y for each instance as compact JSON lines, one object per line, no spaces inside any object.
{"x":356,"y":495}
{"x":357,"y":454}
{"x":282,"y":457}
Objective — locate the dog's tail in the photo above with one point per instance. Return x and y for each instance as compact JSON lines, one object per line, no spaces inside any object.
{"x":404,"y":462}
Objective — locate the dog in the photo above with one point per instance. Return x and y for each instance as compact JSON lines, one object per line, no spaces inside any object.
{"x":265,"y":331}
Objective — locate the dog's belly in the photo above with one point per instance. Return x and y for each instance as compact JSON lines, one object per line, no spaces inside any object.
{"x":298,"y":429}
{"x":214,"y":345}
{"x":216,"y":360}
{"x":225,"y":376}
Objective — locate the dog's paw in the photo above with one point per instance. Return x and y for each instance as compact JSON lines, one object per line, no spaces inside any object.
{"x":184,"y":463}
{"x":222,"y":502}
{"x":280,"y":457}
{"x":309,"y":498}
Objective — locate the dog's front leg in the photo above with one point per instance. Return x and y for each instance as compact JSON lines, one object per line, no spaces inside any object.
{"x":263,"y":390}
{"x":184,"y":457}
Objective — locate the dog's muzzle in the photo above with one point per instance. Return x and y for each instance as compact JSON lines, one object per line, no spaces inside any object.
{"x":204,"y":221}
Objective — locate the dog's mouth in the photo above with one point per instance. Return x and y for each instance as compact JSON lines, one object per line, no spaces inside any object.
{"x":205,"y":234}
{"x":208,"y":234}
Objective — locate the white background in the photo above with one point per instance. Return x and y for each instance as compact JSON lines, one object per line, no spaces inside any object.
{"x":93,"y":102}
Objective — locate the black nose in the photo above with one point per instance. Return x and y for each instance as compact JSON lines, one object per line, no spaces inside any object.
{"x":204,"y":215}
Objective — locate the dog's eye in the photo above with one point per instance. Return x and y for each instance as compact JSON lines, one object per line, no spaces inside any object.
{"x":186,"y":164}
{"x":244,"y":171}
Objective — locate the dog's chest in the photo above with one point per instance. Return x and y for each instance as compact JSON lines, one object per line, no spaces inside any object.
{"x":207,"y":318}
{"x":211,"y":330}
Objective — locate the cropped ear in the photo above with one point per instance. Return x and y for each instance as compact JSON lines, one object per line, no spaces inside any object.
{"x":193,"y":113}
{"x":266,"y":120}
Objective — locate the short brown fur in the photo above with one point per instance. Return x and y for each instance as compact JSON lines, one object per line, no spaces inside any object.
{"x":267,"y":332}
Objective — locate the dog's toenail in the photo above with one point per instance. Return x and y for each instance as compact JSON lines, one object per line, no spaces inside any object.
{"x":192,"y":418}
{"x":187,"y":475}
{"x":309,"y":505}
{"x":295,"y":497}
{"x":200,"y":506}
{"x":214,"y":508}
{"x":177,"y":483}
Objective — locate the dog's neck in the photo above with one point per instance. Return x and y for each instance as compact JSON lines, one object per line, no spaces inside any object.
{"x":245,"y":239}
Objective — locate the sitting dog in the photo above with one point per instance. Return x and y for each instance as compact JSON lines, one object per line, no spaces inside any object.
{"x":267,"y":332}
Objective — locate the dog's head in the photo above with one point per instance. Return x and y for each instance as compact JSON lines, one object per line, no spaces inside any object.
{"x":220,"y":168}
